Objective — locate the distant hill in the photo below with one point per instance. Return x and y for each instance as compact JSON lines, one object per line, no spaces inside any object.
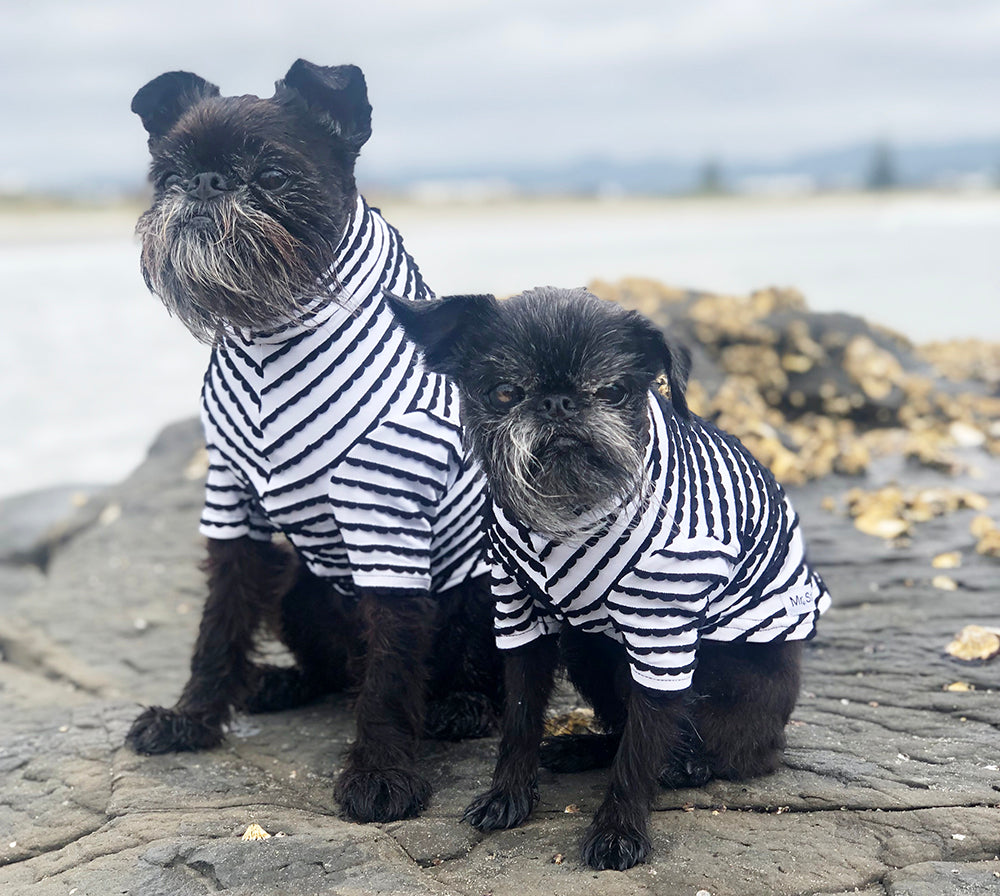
{"x":849,"y":167}
{"x":913,"y":165}
{"x":959,"y":163}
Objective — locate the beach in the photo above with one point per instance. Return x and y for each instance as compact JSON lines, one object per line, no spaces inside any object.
{"x":93,"y":366}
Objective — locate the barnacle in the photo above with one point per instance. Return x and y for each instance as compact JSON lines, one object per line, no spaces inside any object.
{"x":975,"y":643}
{"x":255,"y":832}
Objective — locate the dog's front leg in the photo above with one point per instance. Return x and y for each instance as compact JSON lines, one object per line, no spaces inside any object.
{"x":379,"y":782}
{"x":244,"y":577}
{"x":617,"y":837}
{"x":529,"y":673}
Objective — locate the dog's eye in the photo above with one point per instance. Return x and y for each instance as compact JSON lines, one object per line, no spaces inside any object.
{"x":272,"y":179}
{"x":505,"y":396}
{"x":614,"y":394}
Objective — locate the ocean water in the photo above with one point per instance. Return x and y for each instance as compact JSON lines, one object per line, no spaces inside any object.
{"x":91,"y":366}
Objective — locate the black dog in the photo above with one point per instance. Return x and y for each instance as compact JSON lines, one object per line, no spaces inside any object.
{"x":642,"y":533}
{"x":321,"y":424}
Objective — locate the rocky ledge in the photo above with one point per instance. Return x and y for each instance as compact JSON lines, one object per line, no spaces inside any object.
{"x":891,"y":784}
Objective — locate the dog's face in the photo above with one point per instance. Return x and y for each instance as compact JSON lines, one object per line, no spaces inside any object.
{"x":251,"y":196}
{"x":554,"y":387}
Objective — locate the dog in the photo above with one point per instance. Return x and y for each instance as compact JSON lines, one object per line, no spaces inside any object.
{"x":668,"y":560}
{"x":322,"y":426}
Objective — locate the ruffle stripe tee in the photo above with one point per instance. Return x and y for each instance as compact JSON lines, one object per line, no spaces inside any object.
{"x":331,"y":430}
{"x":714,"y":552}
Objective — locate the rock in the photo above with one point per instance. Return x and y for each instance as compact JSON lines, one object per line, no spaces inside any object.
{"x":875,"y":729}
{"x":577,"y":721}
{"x":966,"y":360}
{"x":891,"y":511}
{"x":812,"y":393}
{"x":937,"y":878}
{"x":974,"y":642}
{"x":947,"y":560}
{"x":889,"y":786}
{"x":31,"y":522}
{"x":988,"y":534}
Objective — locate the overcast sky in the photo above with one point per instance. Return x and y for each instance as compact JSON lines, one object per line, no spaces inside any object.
{"x":518,"y":81}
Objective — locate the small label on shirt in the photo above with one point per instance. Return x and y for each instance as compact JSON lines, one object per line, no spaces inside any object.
{"x":799,"y":601}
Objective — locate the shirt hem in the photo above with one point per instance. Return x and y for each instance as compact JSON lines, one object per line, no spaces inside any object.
{"x":413,"y":583}
{"x":663,"y":682}
{"x":519,"y":639}
{"x":225,"y":531}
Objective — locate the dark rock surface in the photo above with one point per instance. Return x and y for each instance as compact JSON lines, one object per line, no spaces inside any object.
{"x":891,"y":785}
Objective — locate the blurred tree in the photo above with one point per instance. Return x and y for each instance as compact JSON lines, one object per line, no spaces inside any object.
{"x":882,"y":168}
{"x":710,"y":179}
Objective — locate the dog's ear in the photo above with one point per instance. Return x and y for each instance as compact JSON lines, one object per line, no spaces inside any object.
{"x":440,"y":327}
{"x":337,"y":96}
{"x":673,"y":360}
{"x":164,"y":99}
{"x":677,"y":361}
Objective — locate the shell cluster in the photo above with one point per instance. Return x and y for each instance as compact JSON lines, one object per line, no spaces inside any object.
{"x":814,"y":393}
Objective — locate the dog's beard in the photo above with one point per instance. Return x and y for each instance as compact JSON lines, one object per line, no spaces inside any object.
{"x":562,"y":481}
{"x":225,"y":263}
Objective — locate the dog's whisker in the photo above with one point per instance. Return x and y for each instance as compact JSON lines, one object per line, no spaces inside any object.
{"x":251,"y":271}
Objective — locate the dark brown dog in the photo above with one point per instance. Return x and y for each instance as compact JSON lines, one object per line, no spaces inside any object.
{"x":321,"y":424}
{"x":667,"y":560}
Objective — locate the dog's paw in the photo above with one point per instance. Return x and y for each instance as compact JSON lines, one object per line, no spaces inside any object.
{"x":694,"y":771}
{"x":460,"y":715}
{"x":568,"y":753}
{"x":499,"y":809}
{"x":614,"y":847}
{"x":277,"y":688}
{"x":161,"y":730}
{"x":381,"y":794}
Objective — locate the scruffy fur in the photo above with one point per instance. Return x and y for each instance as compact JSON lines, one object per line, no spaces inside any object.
{"x":577,"y":373}
{"x":251,"y":199}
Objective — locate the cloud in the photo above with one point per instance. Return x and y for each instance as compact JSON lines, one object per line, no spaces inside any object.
{"x":513,"y":83}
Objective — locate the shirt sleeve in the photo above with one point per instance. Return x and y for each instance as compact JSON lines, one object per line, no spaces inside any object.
{"x":230,"y":510}
{"x":384,"y":493}
{"x":517,"y":619}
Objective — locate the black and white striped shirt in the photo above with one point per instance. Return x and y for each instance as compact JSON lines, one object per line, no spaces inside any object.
{"x":715,"y":552}
{"x":331,"y":430}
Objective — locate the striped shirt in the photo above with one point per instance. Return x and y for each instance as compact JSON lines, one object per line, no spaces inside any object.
{"x":714,"y":552}
{"x":330,"y":430}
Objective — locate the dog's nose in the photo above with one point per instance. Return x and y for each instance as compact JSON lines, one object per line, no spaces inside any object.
{"x":207,"y":184}
{"x":556,"y":407}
